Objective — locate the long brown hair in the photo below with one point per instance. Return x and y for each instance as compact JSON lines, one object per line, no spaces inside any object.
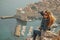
{"x":50,"y":17}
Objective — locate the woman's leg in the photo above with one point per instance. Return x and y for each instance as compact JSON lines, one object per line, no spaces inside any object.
{"x":35,"y":33}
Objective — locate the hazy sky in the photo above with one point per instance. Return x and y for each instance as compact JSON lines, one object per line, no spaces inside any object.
{"x":8,"y":7}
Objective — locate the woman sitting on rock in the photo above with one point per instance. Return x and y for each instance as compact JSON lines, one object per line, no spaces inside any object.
{"x":47,"y":20}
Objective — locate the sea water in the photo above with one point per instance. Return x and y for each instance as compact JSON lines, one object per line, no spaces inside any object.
{"x":7,"y":26}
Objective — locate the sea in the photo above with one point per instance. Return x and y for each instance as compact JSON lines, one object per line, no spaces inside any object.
{"x":7,"y":26}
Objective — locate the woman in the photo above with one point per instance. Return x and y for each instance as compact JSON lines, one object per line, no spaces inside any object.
{"x":47,"y":20}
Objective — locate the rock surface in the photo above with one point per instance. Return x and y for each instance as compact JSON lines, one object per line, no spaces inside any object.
{"x":48,"y":35}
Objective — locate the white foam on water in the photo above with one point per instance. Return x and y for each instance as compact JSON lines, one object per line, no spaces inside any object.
{"x":31,"y":29}
{"x":23,"y":30}
{"x":29,"y":34}
{"x":22,"y":33}
{"x":29,"y":20}
{"x":24,"y":27}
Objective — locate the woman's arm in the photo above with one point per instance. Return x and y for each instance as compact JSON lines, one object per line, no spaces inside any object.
{"x":41,"y":12}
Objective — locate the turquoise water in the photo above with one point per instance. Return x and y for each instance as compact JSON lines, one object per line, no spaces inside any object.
{"x":7,"y":26}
